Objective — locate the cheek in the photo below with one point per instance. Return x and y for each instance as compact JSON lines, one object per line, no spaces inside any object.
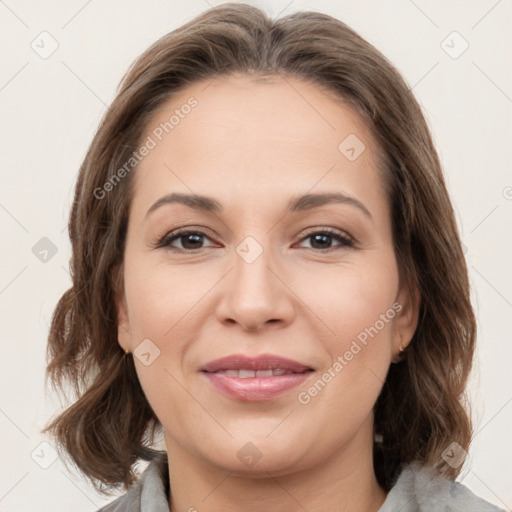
{"x":357,"y":309}
{"x":161,"y":298}
{"x":162,"y":303}
{"x":352,"y":298}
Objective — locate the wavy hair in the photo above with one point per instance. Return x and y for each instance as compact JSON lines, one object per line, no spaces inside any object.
{"x":422,"y":407}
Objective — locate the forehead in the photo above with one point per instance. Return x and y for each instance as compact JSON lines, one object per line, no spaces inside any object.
{"x":246,"y":135}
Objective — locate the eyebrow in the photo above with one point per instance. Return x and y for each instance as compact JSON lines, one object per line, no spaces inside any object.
{"x":296,"y":204}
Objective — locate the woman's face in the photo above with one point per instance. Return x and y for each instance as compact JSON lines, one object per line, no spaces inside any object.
{"x":291,"y":256}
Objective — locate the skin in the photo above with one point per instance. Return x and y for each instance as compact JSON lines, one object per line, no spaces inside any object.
{"x":253,"y":145}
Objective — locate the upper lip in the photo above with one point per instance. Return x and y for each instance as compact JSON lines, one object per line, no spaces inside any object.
{"x":261,"y":362}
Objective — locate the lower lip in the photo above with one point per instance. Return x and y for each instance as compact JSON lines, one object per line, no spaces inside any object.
{"x":255,"y":389}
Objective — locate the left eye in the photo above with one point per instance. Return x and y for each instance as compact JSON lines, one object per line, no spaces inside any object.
{"x":322,"y":240}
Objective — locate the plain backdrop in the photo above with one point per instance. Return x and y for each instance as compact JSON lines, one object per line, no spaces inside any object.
{"x":50,"y":106}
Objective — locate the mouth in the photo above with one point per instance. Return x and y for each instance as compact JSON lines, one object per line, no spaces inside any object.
{"x":255,"y":379}
{"x":251,"y":374}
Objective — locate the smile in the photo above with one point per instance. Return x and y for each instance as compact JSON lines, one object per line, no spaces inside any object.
{"x":255,"y":379}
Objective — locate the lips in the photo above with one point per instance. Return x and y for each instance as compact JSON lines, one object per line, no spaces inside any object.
{"x":255,"y":379}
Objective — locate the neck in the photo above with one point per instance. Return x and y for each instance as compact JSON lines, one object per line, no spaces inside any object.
{"x":346,"y":480}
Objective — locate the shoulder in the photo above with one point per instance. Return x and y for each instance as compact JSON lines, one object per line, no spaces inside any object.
{"x":149,"y":493}
{"x":129,"y":502}
{"x":422,"y":489}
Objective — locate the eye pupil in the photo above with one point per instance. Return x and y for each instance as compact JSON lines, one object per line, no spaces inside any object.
{"x":196,"y":241}
{"x":322,"y":239}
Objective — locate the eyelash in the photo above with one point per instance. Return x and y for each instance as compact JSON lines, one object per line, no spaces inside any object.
{"x":165,"y":242}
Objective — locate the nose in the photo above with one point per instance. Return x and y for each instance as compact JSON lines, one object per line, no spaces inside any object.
{"x":255,"y":295}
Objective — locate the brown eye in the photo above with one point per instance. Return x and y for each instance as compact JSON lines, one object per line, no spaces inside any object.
{"x":186,"y":240}
{"x":323,"y":239}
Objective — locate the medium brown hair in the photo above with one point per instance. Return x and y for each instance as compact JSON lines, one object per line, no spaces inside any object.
{"x":421,"y":409}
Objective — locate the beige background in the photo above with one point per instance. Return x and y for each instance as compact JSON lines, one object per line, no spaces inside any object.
{"x":50,"y":108}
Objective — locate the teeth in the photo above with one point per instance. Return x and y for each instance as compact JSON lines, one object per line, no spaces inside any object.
{"x":251,"y":374}
{"x":264,"y":373}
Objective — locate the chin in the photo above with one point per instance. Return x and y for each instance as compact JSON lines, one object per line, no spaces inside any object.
{"x":257,"y":456}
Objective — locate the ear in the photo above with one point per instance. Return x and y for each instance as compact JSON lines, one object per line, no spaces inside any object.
{"x":123,"y":323}
{"x":407,"y":307}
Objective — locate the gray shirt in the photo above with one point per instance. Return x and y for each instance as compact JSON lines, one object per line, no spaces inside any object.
{"x":418,"y":489}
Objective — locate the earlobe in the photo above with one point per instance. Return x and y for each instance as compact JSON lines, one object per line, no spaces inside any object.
{"x":406,"y":320}
{"x":123,"y":327}
{"x":123,"y":324}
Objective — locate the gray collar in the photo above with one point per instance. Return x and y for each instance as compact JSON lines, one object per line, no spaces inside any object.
{"x":418,"y":489}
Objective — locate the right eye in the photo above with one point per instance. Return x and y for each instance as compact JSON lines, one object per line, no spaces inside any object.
{"x":188,"y":240}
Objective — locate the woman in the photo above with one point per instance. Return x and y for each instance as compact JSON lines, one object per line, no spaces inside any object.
{"x":267,"y":270}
